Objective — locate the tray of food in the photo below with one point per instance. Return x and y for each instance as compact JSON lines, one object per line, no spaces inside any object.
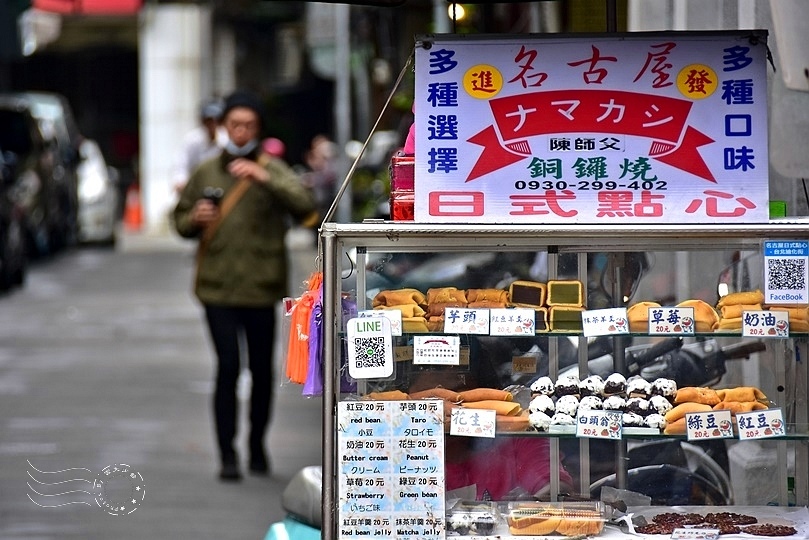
{"x":556,"y":518}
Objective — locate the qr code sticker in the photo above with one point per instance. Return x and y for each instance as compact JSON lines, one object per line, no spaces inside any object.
{"x":786,"y":274}
{"x":369,"y":352}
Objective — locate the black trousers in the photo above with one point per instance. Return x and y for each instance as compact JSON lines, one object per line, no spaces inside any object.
{"x":225,"y":324}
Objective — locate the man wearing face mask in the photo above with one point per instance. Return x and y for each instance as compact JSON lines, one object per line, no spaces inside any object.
{"x":237,"y":204}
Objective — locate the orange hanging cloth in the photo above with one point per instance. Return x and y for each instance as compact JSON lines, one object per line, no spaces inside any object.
{"x":298,"y":350}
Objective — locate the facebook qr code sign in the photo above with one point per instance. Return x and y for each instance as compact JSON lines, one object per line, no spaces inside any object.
{"x":370,"y":348}
{"x":786,"y":272}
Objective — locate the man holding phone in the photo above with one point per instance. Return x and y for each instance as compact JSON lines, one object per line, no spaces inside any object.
{"x":237,"y":204}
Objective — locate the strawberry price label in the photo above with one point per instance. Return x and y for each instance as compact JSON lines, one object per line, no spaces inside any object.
{"x":708,"y":425}
{"x":512,"y":322}
{"x":599,"y":424}
{"x":765,"y":324}
{"x":761,"y":424}
{"x":605,"y":322}
{"x":671,"y":321}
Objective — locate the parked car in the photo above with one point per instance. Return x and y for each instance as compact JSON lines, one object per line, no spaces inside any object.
{"x":57,"y":124}
{"x":13,"y":259}
{"x":98,"y":196}
{"x":34,"y":189}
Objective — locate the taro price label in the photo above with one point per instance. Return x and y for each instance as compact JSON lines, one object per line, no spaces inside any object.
{"x":671,"y":321}
{"x":599,"y":424}
{"x":761,"y":424}
{"x":708,"y":425}
{"x":604,"y":322}
{"x":472,"y":422}
{"x":765,"y":324}
{"x":512,"y":322}
{"x":466,"y":321}
{"x":440,"y":350}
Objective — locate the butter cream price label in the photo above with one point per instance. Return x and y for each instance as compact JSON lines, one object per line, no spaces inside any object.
{"x":708,"y":425}
{"x":761,"y":424}
{"x":765,"y":324}
{"x":604,"y":322}
{"x":671,"y":321}
{"x":512,"y":322}
{"x":436,"y":350}
{"x":466,"y":321}
{"x":390,"y":473}
{"x":599,"y":424}
{"x":472,"y":422}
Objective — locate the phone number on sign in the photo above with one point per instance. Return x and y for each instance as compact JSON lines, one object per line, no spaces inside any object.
{"x":590,"y":185}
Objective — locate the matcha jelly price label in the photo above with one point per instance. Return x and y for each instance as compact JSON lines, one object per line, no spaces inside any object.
{"x":604,"y":322}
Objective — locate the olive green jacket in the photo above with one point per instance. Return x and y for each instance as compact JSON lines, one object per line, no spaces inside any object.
{"x":245,"y":262}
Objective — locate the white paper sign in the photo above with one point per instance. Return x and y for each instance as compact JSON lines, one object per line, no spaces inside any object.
{"x":599,"y":424}
{"x":695,"y":534}
{"x":786,"y":272}
{"x":765,"y":324}
{"x":604,"y":322}
{"x":512,"y":322}
{"x":671,"y":321}
{"x":473,"y":422}
{"x":708,"y":425}
{"x":761,"y":424}
{"x":393,"y":315}
{"x":466,"y":321}
{"x":436,"y":350}
{"x":370,"y":348}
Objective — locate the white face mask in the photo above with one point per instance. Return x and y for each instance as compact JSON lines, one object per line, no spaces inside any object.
{"x":234,"y":150}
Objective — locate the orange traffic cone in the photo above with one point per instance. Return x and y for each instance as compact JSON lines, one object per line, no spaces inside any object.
{"x":133,"y":217}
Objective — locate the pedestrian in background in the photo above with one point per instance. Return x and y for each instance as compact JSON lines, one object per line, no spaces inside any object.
{"x":203,"y":142}
{"x":238,"y":204}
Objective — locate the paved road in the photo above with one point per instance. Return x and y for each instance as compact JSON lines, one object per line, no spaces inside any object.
{"x":104,"y":361}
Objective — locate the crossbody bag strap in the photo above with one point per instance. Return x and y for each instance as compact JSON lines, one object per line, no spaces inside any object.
{"x":225,"y":206}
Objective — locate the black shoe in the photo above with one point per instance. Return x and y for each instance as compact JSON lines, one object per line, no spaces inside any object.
{"x":259,"y":464}
{"x":230,"y":471}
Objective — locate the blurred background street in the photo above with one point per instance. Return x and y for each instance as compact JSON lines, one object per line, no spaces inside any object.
{"x":104,"y":360}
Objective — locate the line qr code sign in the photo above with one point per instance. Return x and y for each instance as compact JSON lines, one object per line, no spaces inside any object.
{"x":370,"y":348}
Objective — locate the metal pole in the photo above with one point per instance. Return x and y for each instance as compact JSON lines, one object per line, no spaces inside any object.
{"x":342,"y":101}
{"x":331,"y":300}
{"x":612,"y":16}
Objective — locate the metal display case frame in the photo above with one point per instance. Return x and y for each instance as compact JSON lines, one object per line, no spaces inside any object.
{"x":406,"y":237}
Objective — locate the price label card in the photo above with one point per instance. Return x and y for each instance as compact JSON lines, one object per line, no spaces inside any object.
{"x":604,"y":322}
{"x":786,"y":272}
{"x":524,"y":364}
{"x":512,"y":322}
{"x":671,"y":321}
{"x":765,"y":324}
{"x":472,"y":422}
{"x":466,"y":321}
{"x":761,"y":424}
{"x":694,"y":534}
{"x":599,"y":424}
{"x":437,"y":350}
{"x":393,"y":315}
{"x":370,"y":348}
{"x":708,"y":425}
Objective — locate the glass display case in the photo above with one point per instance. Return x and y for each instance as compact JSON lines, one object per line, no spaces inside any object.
{"x":509,"y":420}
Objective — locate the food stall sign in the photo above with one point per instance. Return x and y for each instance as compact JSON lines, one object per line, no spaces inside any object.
{"x":620,"y":128}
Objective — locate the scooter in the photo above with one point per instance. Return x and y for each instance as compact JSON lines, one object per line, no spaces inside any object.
{"x":301,"y":502}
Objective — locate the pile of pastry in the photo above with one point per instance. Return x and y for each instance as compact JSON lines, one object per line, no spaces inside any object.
{"x":733,"y":305}
{"x":642,"y":403}
{"x":558,"y":304}
{"x":726,"y":316}
{"x":694,"y":399}
{"x":570,"y":520}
